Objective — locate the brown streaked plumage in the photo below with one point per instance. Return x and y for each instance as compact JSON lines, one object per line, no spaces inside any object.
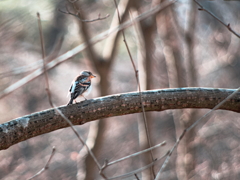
{"x":81,"y":85}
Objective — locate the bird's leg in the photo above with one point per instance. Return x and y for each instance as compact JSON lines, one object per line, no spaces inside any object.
{"x":84,"y":97}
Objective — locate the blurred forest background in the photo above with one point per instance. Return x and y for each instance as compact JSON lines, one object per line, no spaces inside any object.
{"x":179,"y":46}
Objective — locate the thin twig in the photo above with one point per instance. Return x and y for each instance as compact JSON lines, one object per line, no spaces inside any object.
{"x":41,"y":35}
{"x":140,"y":169}
{"x":82,"y":47}
{"x":80,"y":139}
{"x":219,"y":20}
{"x":136,"y":176}
{"x":215,"y":108}
{"x":55,"y":108}
{"x":169,"y":155}
{"x":139,"y":89}
{"x":43,"y":59}
{"x":104,"y":166}
{"x":106,"y":163}
{"x":21,"y":69}
{"x":189,"y":128}
{"x":135,"y":171}
{"x":99,"y":18}
{"x":47,"y":89}
{"x":137,"y":153}
{"x":78,"y":136}
{"x":34,"y":65}
{"x":46,"y":166}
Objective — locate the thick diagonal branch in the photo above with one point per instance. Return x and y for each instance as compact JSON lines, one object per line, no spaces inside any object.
{"x":35,"y":124}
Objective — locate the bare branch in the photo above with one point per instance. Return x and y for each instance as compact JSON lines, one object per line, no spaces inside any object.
{"x":215,"y":17}
{"x":99,"y":18}
{"x":46,"y":121}
{"x":46,"y":166}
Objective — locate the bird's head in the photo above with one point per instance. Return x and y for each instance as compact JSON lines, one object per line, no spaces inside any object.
{"x":88,"y":74}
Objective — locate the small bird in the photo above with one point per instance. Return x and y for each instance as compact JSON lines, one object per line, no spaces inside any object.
{"x":81,"y":85}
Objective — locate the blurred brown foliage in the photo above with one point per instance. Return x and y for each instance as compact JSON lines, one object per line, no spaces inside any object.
{"x":179,"y":47}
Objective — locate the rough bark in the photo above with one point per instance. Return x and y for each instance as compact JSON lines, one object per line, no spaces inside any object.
{"x":35,"y":124}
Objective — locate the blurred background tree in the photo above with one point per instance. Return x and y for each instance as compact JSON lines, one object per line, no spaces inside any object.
{"x":177,"y":47}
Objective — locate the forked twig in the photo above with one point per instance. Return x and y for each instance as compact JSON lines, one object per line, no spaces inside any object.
{"x":78,"y":17}
{"x":137,"y":153}
{"x":169,"y":155}
{"x":215,"y":17}
{"x":140,"y":169}
{"x":106,"y":163}
{"x":46,"y":166}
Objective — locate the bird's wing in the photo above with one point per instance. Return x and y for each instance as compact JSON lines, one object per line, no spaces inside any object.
{"x":79,"y":86}
{"x":82,"y":79}
{"x":88,"y":89}
{"x":73,"y":87}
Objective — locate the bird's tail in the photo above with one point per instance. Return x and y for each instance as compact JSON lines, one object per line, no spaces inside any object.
{"x":70,"y":102}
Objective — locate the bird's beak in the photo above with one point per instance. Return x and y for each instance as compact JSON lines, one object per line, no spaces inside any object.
{"x":93,"y":76}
